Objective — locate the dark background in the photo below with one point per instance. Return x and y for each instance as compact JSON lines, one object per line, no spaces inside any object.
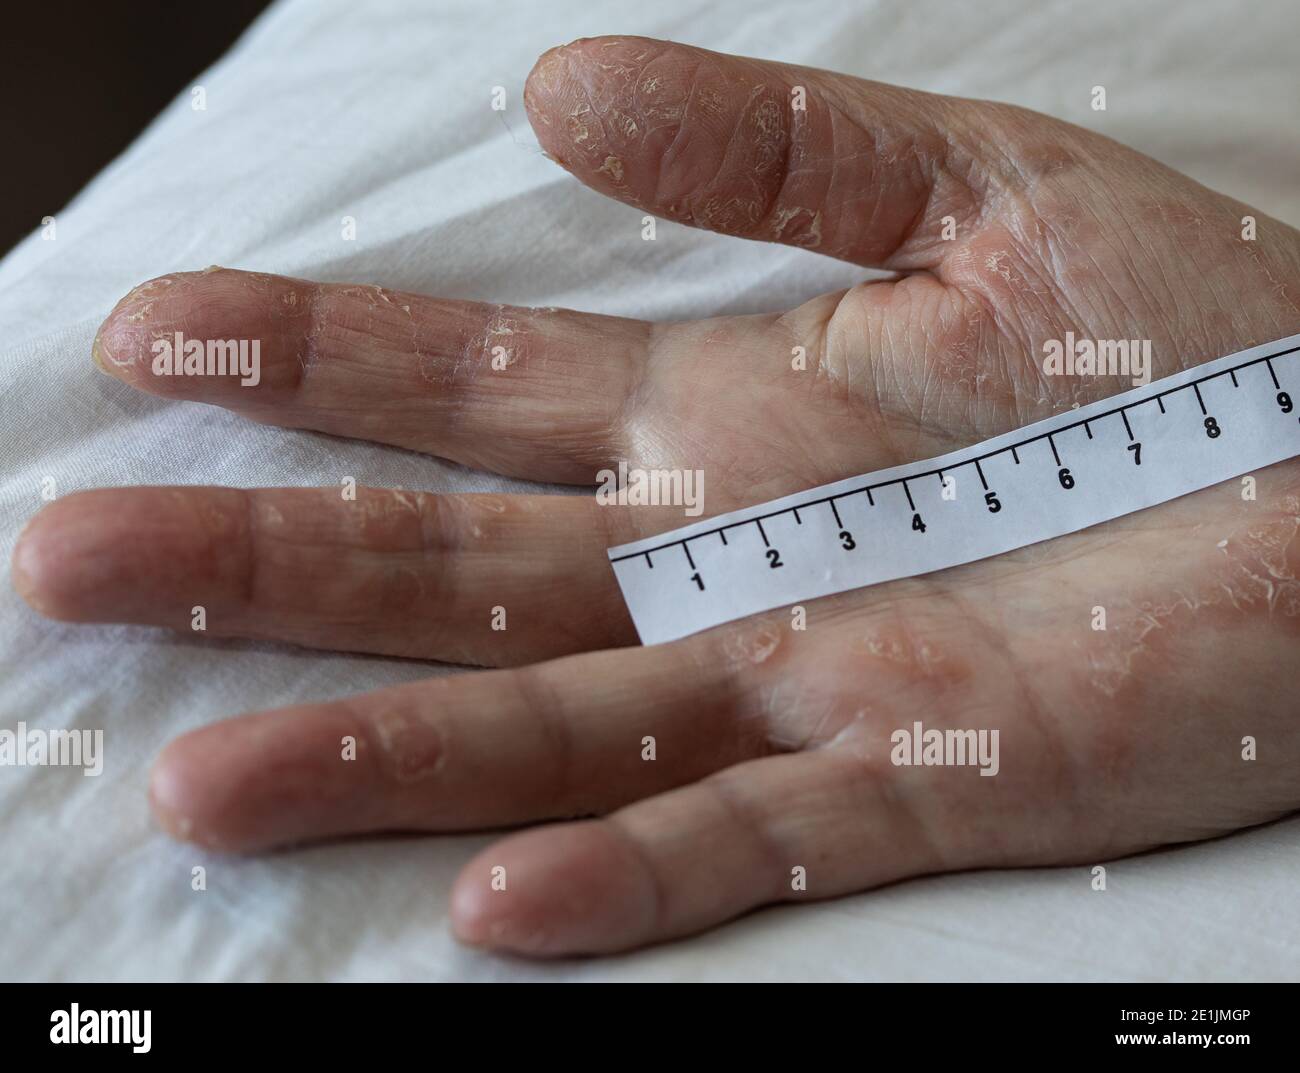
{"x":78,"y":81}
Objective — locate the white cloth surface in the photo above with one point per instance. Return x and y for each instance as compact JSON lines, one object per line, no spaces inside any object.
{"x":380,"y":111}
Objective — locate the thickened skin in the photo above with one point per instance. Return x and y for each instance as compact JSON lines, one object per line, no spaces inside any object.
{"x":771,"y":744}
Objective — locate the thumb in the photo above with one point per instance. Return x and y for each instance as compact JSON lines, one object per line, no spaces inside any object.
{"x":858,"y":170}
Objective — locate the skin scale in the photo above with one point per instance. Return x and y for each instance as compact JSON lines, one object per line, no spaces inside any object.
{"x":772,"y":745}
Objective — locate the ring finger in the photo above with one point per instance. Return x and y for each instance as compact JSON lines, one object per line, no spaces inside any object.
{"x":480,"y":579}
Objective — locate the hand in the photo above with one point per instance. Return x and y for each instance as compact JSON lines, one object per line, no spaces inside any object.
{"x":772,"y":745}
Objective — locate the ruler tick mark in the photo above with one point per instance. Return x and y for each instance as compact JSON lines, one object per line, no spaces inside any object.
{"x":1063,"y":424}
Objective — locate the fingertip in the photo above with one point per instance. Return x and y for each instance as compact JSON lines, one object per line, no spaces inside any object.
{"x":556,"y":67}
{"x":97,"y":351}
{"x":498,"y":903}
{"x":553,"y":891}
{"x":542,"y":88}
{"x":130,"y":555}
{"x":692,"y":135}
{"x":581,"y":101}
{"x":195,"y":792}
{"x":217,"y":335}
{"x":27,"y":567}
{"x":471,"y":908}
{"x":38,"y":567}
{"x":119,"y":344}
{"x":269,"y":779}
{"x":170,"y":797}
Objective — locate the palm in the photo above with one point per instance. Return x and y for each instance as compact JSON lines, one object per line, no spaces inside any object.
{"x":772,"y":744}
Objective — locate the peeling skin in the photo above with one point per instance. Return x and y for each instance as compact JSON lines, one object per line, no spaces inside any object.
{"x":797,"y":225}
{"x":1253,"y":572}
{"x":789,"y":712}
{"x":135,"y":307}
{"x":645,"y":121}
{"x":626,"y":125}
{"x":501,"y":332}
{"x":855,"y":731}
{"x":409,"y":745}
{"x":900,"y":649}
{"x":578,"y":132}
{"x":751,"y":645}
{"x":613,"y":167}
{"x":876,"y":669}
{"x":921,"y":656}
{"x":406,"y":500}
{"x":416,"y":371}
{"x":1261,"y":565}
{"x":268,"y":515}
{"x":219,"y":523}
{"x":504,"y":327}
{"x":393,"y":517}
{"x":1113,"y":742}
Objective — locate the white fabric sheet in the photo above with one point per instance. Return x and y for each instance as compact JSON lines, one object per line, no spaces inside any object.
{"x":380,"y":111}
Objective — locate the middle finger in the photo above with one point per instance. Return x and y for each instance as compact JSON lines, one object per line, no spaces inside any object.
{"x":480,"y":579}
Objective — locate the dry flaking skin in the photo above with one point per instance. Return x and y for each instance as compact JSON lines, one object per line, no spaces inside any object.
{"x":697,"y":779}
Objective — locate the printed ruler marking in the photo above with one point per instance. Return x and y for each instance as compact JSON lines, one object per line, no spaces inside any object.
{"x":1123,"y":462}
